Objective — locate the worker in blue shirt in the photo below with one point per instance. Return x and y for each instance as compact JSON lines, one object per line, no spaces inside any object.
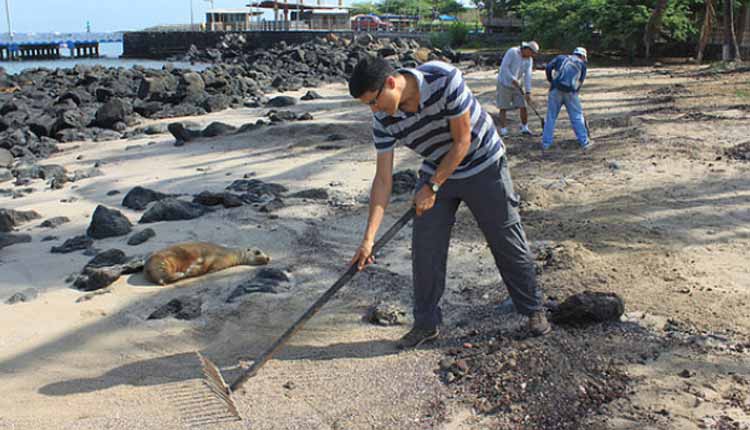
{"x":566,"y":74}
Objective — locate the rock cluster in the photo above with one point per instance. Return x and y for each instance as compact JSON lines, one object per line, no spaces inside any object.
{"x":325,"y":59}
{"x":40,"y":107}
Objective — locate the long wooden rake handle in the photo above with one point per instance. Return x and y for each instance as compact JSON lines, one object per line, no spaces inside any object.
{"x":346,"y":277}
{"x":523,"y":93}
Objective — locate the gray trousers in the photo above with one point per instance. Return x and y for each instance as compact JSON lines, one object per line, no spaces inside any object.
{"x":491,"y":199}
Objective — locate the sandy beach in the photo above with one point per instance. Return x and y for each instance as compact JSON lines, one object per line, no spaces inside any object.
{"x":657,"y":213}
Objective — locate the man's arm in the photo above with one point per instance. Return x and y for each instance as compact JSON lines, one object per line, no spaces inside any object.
{"x":583,"y":74}
{"x":461,"y":135}
{"x":380,"y":195}
{"x":550,"y":67}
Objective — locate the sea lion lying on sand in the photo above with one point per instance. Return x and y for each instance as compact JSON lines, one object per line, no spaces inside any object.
{"x":191,"y":259}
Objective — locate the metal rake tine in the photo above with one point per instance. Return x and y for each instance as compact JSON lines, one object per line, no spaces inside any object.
{"x":200,"y":424}
{"x":219,"y":391}
{"x":222,"y":391}
{"x":222,"y":395}
{"x":211,"y":370}
{"x":212,"y":373}
{"x":208,"y":416}
{"x":215,"y":382}
{"x":230,"y":407}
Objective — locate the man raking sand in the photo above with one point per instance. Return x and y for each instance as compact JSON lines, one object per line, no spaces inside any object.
{"x":431,"y":111}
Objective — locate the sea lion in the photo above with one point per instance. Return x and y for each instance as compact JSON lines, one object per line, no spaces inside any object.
{"x":191,"y":259}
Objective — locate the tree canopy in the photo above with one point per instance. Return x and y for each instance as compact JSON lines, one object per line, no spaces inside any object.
{"x":423,"y":8}
{"x":617,"y":24}
{"x":624,"y":25}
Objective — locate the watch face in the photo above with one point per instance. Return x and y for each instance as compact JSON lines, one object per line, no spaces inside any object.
{"x":435,"y":187}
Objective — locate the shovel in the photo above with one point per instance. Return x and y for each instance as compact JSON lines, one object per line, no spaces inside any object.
{"x":532,"y":106}
{"x":213,"y":378}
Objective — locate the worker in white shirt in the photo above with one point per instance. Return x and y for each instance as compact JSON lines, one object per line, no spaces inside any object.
{"x":517,"y":65}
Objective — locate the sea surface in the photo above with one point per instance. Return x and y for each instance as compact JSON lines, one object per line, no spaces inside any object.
{"x":110,"y":53}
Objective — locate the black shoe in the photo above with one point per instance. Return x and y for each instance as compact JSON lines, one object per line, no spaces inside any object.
{"x":416,"y":337}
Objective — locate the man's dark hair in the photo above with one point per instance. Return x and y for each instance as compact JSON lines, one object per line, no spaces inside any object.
{"x":369,"y":75}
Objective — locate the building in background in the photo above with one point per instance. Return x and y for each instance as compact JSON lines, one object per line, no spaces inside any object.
{"x":231,"y":19}
{"x":297,"y":15}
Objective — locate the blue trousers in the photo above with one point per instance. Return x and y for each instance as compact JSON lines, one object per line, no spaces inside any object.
{"x":572,"y":103}
{"x":491,"y":199}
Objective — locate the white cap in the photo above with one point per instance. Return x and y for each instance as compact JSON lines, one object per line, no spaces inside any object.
{"x":531,"y":45}
{"x":580,"y":51}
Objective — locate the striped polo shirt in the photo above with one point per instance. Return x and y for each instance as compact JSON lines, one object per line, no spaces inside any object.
{"x":443,"y":95}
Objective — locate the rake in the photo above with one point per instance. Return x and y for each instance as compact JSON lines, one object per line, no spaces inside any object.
{"x":213,"y":378}
{"x":523,"y":93}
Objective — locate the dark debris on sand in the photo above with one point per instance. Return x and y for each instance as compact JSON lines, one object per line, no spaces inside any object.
{"x":555,"y":382}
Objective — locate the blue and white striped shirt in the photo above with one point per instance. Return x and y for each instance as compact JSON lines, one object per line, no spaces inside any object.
{"x":443,"y":95}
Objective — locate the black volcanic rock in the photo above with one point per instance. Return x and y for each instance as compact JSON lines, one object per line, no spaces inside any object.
{"x":139,"y":197}
{"x":171,"y":209}
{"x":182,"y":308}
{"x":11,"y":218}
{"x":108,"y":223}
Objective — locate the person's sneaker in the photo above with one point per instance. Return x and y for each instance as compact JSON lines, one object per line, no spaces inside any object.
{"x":587,"y":147}
{"x":503,"y":132}
{"x":525,"y":130}
{"x":538,"y":325}
{"x":416,"y":337}
{"x":546,"y":153}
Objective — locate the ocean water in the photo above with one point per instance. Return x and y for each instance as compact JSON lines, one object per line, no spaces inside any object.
{"x":110,"y":53}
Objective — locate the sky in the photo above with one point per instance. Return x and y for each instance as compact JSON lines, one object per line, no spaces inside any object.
{"x":42,"y":16}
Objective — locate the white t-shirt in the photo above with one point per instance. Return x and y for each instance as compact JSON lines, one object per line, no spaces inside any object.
{"x":514,"y":66}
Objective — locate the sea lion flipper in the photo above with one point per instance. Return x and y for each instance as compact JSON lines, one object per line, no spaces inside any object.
{"x":195,"y":269}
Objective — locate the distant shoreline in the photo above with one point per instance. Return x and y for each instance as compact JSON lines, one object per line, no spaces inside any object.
{"x":111,"y":53}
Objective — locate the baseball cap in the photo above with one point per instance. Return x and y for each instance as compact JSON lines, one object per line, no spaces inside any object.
{"x":580,"y":51}
{"x":531,"y":45}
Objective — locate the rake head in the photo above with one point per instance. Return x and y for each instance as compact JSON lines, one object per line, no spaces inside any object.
{"x":218,"y":386}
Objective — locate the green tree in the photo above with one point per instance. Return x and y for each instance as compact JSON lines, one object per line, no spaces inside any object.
{"x":560,"y":23}
{"x":406,"y":7}
{"x":363,"y":9}
{"x":619,"y":24}
{"x":622,"y":24}
{"x":450,"y":7}
{"x":499,"y":8}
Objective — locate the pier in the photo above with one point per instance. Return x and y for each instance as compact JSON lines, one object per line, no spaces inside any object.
{"x":49,"y":46}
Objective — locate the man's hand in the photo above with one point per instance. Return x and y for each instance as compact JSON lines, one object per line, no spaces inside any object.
{"x":516,"y":83}
{"x":527,"y":96}
{"x":363,"y":256}
{"x":424,"y":200}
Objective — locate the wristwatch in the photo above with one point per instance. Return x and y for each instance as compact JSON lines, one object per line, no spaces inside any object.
{"x":434,"y":187}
